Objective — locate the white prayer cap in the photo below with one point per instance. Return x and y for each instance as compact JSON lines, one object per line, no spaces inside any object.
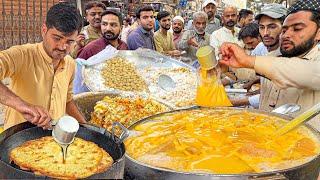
{"x":178,"y":18}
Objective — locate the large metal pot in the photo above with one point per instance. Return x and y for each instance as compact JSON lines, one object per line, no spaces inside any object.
{"x":86,"y":101}
{"x":138,"y":170}
{"x":21,"y":133}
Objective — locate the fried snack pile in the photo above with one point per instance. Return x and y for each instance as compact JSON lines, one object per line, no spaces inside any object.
{"x":44,"y":157}
{"x":220,"y":141}
{"x":124,"y":110}
{"x":121,"y":74}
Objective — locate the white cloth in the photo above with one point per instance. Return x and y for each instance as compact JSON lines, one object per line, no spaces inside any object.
{"x":178,"y":18}
{"x":254,"y":101}
{"x":222,"y":35}
{"x":206,"y":2}
{"x":78,"y":84}
{"x":260,"y":50}
{"x":124,"y":33}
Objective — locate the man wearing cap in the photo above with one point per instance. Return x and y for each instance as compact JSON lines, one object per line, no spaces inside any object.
{"x":178,"y":29}
{"x":228,"y":33}
{"x":270,"y":25}
{"x":210,"y":7}
{"x":297,"y":71}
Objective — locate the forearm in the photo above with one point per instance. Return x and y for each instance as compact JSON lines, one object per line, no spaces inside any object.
{"x":240,"y":102}
{"x":8,"y":98}
{"x":293,"y":72}
{"x":72,"y":110}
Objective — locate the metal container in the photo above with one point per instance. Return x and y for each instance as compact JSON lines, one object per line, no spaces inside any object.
{"x":138,"y":170}
{"x":65,"y":130}
{"x":86,"y":101}
{"x":154,"y":63}
{"x":21,"y":133}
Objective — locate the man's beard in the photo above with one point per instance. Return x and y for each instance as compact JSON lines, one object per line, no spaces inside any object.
{"x":274,"y":45}
{"x":166,"y":27}
{"x":297,"y":51}
{"x":177,"y":31}
{"x":146,"y":28}
{"x":110,"y":36}
{"x":210,"y":14}
{"x":199,"y":32}
{"x":230,"y":24}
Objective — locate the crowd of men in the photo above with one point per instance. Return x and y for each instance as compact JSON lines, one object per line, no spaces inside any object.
{"x":277,"y":48}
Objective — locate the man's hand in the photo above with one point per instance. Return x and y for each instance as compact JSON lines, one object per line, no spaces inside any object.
{"x":234,"y":56}
{"x":174,"y":53}
{"x":193,"y":42}
{"x":35,"y":114}
{"x":80,"y":40}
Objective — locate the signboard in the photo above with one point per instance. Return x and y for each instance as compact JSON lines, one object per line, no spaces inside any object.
{"x":240,"y":4}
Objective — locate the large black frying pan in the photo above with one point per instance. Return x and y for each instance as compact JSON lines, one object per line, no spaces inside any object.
{"x":21,"y":133}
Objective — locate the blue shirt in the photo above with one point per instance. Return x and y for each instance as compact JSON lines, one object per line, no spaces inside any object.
{"x":260,"y":50}
{"x":140,"y":38}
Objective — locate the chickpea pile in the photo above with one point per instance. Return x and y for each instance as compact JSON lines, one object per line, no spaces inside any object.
{"x":121,"y":74}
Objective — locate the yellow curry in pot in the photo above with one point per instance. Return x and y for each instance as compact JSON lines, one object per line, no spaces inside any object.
{"x":220,"y":141}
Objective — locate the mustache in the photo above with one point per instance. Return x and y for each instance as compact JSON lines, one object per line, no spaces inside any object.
{"x":62,"y":51}
{"x":267,"y":36}
{"x":166,"y":27}
{"x":108,"y":32}
{"x":229,"y":22}
{"x":288,"y":41}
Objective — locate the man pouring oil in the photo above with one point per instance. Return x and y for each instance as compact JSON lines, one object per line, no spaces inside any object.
{"x":210,"y":91}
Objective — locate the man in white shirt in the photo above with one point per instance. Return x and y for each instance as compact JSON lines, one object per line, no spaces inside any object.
{"x":229,"y":32}
{"x":125,"y":30}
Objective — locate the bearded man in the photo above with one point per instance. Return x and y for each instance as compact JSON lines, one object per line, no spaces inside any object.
{"x":192,"y":40}
{"x":111,"y":25}
{"x":163,"y":39}
{"x":178,"y":29}
{"x":229,"y":32}
{"x":294,"y":75}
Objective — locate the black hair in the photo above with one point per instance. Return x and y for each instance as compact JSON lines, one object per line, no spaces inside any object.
{"x":64,"y":17}
{"x":128,"y":20}
{"x":92,"y":4}
{"x":243,"y":13}
{"x":281,"y":19}
{"x":162,"y":14}
{"x":143,"y":8}
{"x":249,"y":30}
{"x":113,"y":12}
{"x":315,"y":17}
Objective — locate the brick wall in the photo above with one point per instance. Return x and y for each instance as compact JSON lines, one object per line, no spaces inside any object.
{"x":21,"y":20}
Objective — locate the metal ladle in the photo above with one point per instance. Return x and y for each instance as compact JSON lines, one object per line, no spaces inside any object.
{"x":304,"y":117}
{"x":166,"y":83}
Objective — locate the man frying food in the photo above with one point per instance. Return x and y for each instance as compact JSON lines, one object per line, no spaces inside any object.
{"x":42,"y":73}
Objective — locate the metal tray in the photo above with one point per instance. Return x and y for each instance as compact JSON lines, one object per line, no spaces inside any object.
{"x":142,"y":59}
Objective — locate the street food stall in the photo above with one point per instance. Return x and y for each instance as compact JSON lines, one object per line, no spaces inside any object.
{"x":140,"y":129}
